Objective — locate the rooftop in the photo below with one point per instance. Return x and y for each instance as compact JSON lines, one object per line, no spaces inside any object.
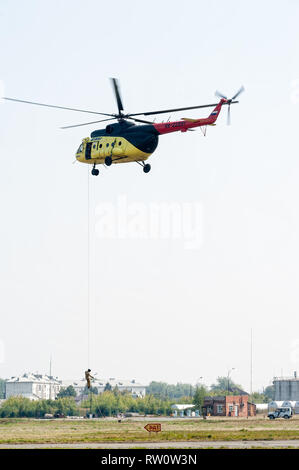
{"x":36,"y":378}
{"x":101,"y":382}
{"x":181,"y":406}
{"x":292,"y":377}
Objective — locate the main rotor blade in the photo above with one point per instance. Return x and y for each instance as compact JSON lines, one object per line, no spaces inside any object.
{"x":220,"y":95}
{"x":86,"y":123}
{"x":173,"y":110}
{"x":115,"y":85}
{"x":59,"y":107}
{"x":238,"y":92}
{"x":177,"y":109}
{"x":140,"y":120}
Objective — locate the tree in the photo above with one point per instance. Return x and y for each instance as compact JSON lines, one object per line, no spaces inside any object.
{"x":67,"y":392}
{"x":256,"y":397}
{"x":21,"y":407}
{"x":107,"y":387}
{"x":269,"y":392}
{"x":66,"y":406}
{"x":225,"y":386}
{"x":166,"y":391}
{"x":110,"y":404}
{"x":92,"y":390}
{"x":2,"y":388}
{"x":199,"y":395}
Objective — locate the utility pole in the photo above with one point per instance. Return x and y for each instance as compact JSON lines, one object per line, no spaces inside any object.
{"x":198,"y":382}
{"x":50,"y":377}
{"x":228,"y":378}
{"x":251,"y":361}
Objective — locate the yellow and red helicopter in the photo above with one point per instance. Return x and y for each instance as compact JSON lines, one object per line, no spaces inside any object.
{"x":124,"y":141}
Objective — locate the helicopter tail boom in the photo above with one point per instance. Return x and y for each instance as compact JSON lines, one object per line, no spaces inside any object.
{"x":186,"y":123}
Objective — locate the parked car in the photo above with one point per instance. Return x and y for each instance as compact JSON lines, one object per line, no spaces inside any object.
{"x":285,"y":413}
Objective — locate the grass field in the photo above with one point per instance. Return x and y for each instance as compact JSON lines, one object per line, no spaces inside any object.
{"x":22,"y":431}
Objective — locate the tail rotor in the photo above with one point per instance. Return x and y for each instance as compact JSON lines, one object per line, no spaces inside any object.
{"x":229,"y":101}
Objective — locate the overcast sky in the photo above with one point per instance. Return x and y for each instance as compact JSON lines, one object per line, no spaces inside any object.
{"x":171,"y":303}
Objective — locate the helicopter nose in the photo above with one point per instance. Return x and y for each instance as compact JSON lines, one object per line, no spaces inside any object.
{"x":79,"y":153}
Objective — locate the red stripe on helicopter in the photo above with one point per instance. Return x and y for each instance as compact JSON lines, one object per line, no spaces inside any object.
{"x":183,"y":126}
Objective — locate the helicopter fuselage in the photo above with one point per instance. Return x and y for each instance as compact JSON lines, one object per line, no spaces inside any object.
{"x":125,"y":141}
{"x":122,"y":141}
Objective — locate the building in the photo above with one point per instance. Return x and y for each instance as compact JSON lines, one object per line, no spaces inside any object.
{"x":182,"y":409}
{"x":133,"y":387}
{"x":286,"y":388}
{"x":261,"y":407}
{"x":230,"y":405}
{"x":33,"y":386}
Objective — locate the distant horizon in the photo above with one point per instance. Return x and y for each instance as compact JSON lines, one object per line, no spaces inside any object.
{"x":117,"y":378}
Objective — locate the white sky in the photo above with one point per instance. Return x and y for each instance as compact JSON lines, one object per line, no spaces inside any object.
{"x":158,"y":311}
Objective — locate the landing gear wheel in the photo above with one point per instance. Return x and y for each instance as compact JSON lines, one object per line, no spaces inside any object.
{"x":147,"y":168}
{"x":108,"y":161}
{"x":95,"y":172}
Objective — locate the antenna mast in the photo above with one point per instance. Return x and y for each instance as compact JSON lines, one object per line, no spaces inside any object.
{"x":251,"y":361}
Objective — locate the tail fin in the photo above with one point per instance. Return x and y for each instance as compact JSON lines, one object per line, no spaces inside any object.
{"x":214,"y":114}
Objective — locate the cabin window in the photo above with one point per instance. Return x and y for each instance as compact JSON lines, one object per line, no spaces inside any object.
{"x":119,"y":143}
{"x":101,"y":145}
{"x":107,"y":145}
{"x":94,"y":146}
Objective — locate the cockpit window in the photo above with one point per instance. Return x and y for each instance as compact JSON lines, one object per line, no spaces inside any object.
{"x":80,"y":149}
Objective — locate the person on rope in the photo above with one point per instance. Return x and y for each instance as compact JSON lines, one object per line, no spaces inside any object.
{"x":88,"y":377}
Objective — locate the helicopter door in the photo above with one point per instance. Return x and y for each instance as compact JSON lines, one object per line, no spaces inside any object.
{"x":88,"y":151}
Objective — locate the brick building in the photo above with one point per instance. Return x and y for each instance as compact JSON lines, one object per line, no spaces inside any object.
{"x":230,"y":405}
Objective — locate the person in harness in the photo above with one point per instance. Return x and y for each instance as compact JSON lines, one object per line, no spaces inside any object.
{"x":88,"y":377}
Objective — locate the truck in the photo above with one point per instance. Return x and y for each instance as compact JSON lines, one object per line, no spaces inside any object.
{"x":285,"y":412}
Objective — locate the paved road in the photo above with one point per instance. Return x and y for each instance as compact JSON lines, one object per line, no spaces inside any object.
{"x":160,"y":445}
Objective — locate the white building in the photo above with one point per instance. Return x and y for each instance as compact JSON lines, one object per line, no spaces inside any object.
{"x":261,"y":407}
{"x":184,"y":408}
{"x":136,"y":389}
{"x":33,"y":386}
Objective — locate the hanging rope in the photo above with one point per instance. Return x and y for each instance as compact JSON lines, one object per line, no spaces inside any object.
{"x":94,"y":248}
{"x":88,"y":269}
{"x":91,"y":271}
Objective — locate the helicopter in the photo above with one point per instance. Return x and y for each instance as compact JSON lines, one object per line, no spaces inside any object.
{"x":124,"y":141}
